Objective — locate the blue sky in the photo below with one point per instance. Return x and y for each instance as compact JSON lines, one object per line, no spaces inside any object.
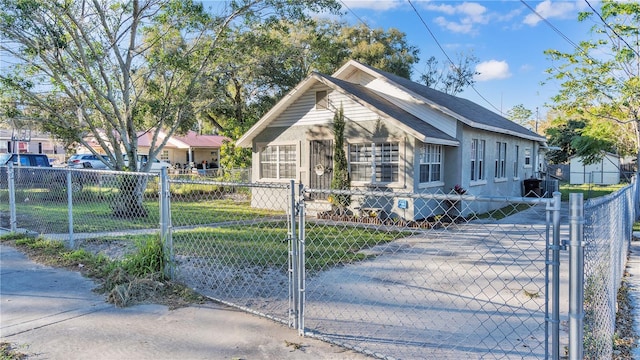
{"x":508,"y":39}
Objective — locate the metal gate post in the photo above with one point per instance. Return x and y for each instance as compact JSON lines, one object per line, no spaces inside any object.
{"x":293,"y":259}
{"x":576,"y":276}
{"x":302,"y":263}
{"x":165,"y":222}
{"x":555,"y":276}
{"x":72,"y":243}
{"x":13,"y":222}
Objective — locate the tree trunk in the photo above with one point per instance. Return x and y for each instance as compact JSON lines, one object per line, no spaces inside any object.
{"x":129,"y":202}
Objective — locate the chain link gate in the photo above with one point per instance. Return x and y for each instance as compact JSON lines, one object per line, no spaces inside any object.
{"x":485,"y":285}
{"x":239,"y":252}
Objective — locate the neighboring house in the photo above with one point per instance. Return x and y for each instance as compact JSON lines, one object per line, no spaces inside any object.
{"x":181,"y":151}
{"x":604,"y":172}
{"x":400,"y":136}
{"x":31,"y":142}
{"x":188,"y":150}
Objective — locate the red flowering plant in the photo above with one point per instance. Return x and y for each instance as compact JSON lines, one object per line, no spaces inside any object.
{"x":459,"y":189}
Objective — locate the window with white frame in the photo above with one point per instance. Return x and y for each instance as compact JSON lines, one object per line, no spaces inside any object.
{"x":164,"y":155}
{"x":374,"y":162}
{"x":278,"y":162}
{"x":516,"y":162}
{"x":527,"y":157}
{"x":477,"y":159}
{"x":431,"y":163}
{"x":501,"y":160}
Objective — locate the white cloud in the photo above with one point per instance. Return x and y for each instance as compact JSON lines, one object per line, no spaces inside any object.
{"x":470,"y":14}
{"x":492,"y":70}
{"x":454,"y":26}
{"x":377,"y":5}
{"x":549,"y":10}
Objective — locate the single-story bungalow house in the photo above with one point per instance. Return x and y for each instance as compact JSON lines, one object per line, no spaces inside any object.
{"x":604,"y":172}
{"x":188,"y":150}
{"x":400,"y":136}
{"x":181,"y":151}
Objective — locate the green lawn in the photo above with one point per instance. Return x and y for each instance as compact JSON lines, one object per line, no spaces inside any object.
{"x":590,"y":191}
{"x":46,"y":212}
{"x":265,"y":244}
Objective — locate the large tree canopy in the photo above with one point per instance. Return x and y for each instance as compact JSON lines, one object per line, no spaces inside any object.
{"x":118,"y":68}
{"x":600,"y":82}
{"x":263,"y":62}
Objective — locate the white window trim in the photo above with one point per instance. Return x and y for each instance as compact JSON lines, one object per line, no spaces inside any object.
{"x":423,"y":150}
{"x":516,"y":163}
{"x":324,"y":103}
{"x":500,"y":172}
{"x":479,"y":149}
{"x":278,"y":179}
{"x":373,"y":143}
{"x":530,"y":165}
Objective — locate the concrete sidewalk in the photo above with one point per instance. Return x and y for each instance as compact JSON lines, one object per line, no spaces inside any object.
{"x":633,"y":267}
{"x":51,"y":313}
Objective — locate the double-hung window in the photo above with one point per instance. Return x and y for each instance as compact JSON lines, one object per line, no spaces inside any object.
{"x":374,"y":162}
{"x":477,"y":159}
{"x":278,"y":162}
{"x":516,"y":161}
{"x":431,"y":163}
{"x":501,"y":160}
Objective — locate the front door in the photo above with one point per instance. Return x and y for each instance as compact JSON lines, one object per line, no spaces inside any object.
{"x":321,"y":163}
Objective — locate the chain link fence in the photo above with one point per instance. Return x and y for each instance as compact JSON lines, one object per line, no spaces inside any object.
{"x":473,"y":277}
{"x":73,"y":204}
{"x":607,"y":237}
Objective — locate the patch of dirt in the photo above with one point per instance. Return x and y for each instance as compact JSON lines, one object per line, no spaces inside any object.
{"x":625,"y":338}
{"x":113,"y":249}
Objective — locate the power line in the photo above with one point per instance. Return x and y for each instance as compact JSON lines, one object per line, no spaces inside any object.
{"x":448,"y":58}
{"x":576,"y":46}
{"x":612,"y":29}
{"x":354,"y":14}
{"x":555,"y":29}
{"x":437,"y":42}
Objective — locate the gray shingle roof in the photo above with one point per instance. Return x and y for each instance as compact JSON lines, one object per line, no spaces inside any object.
{"x":463,"y":107}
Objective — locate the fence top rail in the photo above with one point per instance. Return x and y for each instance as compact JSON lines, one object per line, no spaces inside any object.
{"x":86,"y":171}
{"x":433,"y":196}
{"x":604,"y":199}
{"x":229,"y":183}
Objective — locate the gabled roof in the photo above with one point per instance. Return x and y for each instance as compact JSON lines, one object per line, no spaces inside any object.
{"x":372,"y":100}
{"x":360,"y":94}
{"x":461,"y":109}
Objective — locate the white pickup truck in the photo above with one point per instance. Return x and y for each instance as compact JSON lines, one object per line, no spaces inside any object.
{"x":156,"y":165}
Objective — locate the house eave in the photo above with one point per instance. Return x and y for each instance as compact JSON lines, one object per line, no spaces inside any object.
{"x":344,"y":71}
{"x":246,"y":140}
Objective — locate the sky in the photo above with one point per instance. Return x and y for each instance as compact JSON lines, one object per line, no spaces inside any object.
{"x":506,"y":36}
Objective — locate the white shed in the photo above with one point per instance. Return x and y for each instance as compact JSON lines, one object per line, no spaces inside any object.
{"x":603,"y":172}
